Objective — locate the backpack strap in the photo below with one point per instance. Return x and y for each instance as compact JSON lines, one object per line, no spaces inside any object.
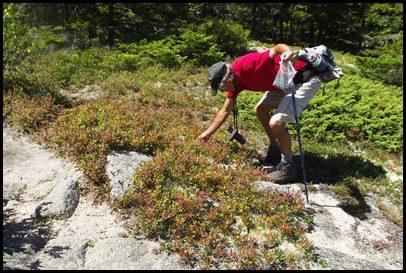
{"x":300,"y":75}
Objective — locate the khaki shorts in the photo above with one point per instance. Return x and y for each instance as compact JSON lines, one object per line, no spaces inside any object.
{"x":282,"y":101}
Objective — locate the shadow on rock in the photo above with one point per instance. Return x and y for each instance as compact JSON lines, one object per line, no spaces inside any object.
{"x":21,"y":238}
{"x":338,"y":169}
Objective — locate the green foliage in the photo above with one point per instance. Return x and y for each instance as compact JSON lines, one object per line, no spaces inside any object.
{"x":247,"y":118}
{"x":198,"y":45}
{"x":146,"y":53}
{"x":46,"y":39}
{"x":384,"y":19}
{"x":89,"y":24}
{"x":387,"y":67}
{"x":31,"y":78}
{"x":358,"y":110}
{"x":230,"y":38}
{"x":20,"y":44}
{"x":76,"y":66}
{"x":16,"y":47}
{"x":15,"y":40}
{"x":199,"y":48}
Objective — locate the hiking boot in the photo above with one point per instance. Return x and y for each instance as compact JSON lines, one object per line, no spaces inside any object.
{"x":273,"y":156}
{"x":284,"y":172}
{"x":268,"y":168}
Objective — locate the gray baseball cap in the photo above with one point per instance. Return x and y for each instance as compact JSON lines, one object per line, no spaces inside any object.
{"x":215,"y":75}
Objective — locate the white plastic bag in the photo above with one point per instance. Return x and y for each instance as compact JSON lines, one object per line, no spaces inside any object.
{"x":284,"y":78}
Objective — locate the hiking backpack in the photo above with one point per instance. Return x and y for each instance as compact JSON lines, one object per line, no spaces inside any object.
{"x":320,"y":60}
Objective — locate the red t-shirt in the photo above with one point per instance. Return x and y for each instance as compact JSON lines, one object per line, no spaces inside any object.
{"x":256,"y":72}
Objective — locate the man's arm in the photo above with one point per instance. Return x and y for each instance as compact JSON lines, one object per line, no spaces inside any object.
{"x":287,"y":53}
{"x":221,"y":117}
{"x":278,"y":49}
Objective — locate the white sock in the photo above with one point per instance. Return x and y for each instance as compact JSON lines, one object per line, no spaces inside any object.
{"x":288,"y":158}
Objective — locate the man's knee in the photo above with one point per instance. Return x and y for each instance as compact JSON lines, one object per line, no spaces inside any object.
{"x":261,"y":109}
{"x":275,"y":123}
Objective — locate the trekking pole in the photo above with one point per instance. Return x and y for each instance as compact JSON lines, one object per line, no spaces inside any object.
{"x":300,"y":145}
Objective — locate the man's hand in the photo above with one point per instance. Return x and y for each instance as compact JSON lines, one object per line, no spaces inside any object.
{"x":289,"y":56}
{"x":204,"y":137}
